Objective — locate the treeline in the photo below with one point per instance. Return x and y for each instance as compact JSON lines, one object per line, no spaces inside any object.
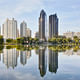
{"x":1,"y":39}
{"x":23,"y":40}
{"x":64,"y":40}
{"x":63,"y":48}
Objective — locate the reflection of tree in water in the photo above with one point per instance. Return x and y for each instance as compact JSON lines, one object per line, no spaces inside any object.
{"x":42,"y":61}
{"x":53,"y":61}
{"x":1,"y":49}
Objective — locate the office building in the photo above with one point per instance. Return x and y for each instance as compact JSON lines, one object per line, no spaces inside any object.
{"x":23,"y":27}
{"x":28,"y":32}
{"x":53,"y":26}
{"x":42,"y":26}
{"x":37,"y":35}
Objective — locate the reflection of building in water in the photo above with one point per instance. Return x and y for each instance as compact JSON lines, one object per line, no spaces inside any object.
{"x":23,"y":57}
{"x":0,"y":56}
{"x":42,"y":61}
{"x":10,"y":57}
{"x":71,"y":52}
{"x":28,"y":54}
{"x":53,"y":61}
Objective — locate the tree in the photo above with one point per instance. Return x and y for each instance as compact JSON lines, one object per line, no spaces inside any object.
{"x":9,"y":40}
{"x":1,"y":40}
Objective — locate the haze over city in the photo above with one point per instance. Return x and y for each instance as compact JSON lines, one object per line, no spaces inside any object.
{"x":68,"y":12}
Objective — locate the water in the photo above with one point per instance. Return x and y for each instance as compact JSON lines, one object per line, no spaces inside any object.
{"x":39,"y":64}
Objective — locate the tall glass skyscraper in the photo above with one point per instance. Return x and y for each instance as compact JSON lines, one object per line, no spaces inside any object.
{"x":23,"y":27}
{"x":53,"y":26}
{"x":42,"y":25}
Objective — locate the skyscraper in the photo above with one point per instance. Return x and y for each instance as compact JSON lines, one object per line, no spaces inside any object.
{"x":42,"y":25}
{"x":9,"y":29}
{"x":37,"y":35}
{"x":23,"y":27}
{"x":28,"y":32}
{"x":0,"y":30}
{"x":53,"y":26}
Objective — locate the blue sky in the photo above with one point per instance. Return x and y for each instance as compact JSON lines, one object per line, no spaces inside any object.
{"x":68,"y":12}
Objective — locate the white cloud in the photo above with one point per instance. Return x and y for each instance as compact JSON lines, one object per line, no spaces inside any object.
{"x":15,"y":9}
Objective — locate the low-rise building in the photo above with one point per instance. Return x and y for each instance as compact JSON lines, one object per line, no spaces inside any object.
{"x":71,"y":34}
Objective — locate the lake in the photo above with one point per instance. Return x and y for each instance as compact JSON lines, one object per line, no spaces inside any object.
{"x":42,"y":63}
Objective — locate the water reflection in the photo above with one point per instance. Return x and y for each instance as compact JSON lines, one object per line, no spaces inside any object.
{"x":10,"y":57}
{"x":47,"y":57}
{"x":42,"y":61}
{"x":53,"y":61}
{"x":24,"y":55}
{"x":72,"y":52}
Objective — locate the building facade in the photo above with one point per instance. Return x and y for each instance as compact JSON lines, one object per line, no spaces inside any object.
{"x":28,"y":32}
{"x":71,"y":34}
{"x":9,"y":29}
{"x":42,"y":25}
{"x":0,"y":30}
{"x":37,"y":35}
{"x":23,"y":27}
{"x":53,"y":26}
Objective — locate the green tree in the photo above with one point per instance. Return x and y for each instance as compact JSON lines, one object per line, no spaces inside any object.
{"x":1,"y":40}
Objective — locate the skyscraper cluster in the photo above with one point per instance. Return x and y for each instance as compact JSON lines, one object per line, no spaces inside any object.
{"x":43,"y":28}
{"x":10,"y":29}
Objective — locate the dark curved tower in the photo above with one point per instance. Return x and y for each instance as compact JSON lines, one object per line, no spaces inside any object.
{"x":42,"y":25}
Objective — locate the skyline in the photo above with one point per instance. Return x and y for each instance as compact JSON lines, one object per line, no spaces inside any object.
{"x":29,"y":11}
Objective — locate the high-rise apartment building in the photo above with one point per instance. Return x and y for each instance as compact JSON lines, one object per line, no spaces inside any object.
{"x":37,"y":35}
{"x":0,"y":30}
{"x":9,"y":29}
{"x":23,"y":27}
{"x":42,"y":25}
{"x":28,"y":32}
{"x":53,"y":26}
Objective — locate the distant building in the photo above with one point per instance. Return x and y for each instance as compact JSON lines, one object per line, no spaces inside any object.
{"x":42,"y":25}
{"x":28,"y":32}
{"x":37,"y":35}
{"x":0,"y":30}
{"x":53,"y":26}
{"x":23,"y":27}
{"x":71,"y":34}
{"x":18,"y":33}
{"x":9,"y":29}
